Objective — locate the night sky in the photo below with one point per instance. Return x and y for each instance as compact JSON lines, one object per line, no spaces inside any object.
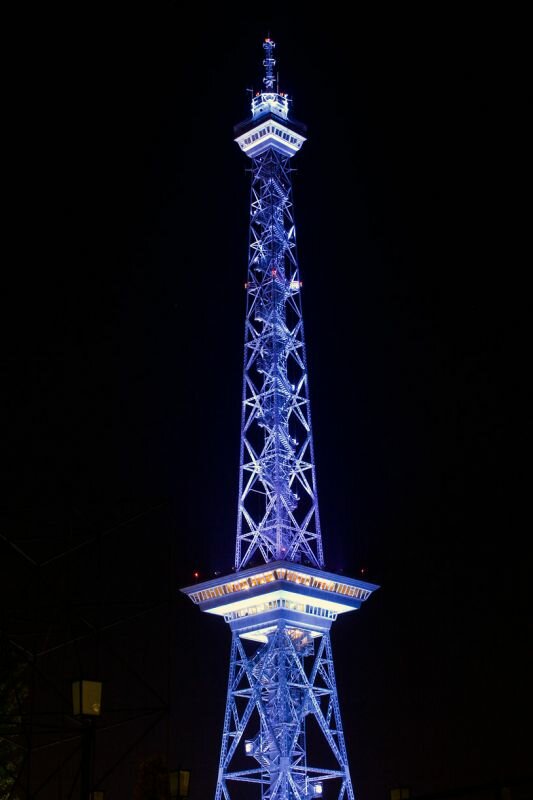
{"x":124,"y":360}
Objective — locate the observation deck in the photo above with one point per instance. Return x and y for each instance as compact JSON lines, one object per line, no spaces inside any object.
{"x":269,"y":125}
{"x":254,"y":601}
{"x":257,"y":135}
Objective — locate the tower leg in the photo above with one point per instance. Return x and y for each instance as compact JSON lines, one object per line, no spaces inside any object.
{"x":221,"y":791}
{"x":272,"y":693}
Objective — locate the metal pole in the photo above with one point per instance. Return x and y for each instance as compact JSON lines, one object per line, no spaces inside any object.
{"x":87,"y":748}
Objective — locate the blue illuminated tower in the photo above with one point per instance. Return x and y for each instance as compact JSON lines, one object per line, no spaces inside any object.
{"x":282,"y":733}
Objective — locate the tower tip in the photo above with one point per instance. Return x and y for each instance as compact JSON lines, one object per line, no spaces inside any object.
{"x":269,"y":63}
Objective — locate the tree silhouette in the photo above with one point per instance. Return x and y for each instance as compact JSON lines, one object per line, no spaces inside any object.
{"x":13,"y":693}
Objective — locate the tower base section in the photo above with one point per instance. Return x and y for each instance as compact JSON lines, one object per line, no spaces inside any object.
{"x":282,"y":726}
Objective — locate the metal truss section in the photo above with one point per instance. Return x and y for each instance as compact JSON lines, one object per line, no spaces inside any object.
{"x":278,"y":508}
{"x":281,"y":696}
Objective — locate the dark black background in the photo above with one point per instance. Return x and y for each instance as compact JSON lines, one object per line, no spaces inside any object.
{"x":124,"y":354}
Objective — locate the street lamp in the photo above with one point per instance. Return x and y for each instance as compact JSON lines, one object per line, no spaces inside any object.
{"x":86,"y":698}
{"x":400,"y":793}
{"x":179,"y":783}
{"x":86,"y":705}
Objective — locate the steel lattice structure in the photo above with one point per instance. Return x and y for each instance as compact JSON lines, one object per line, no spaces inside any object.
{"x":282,"y":709}
{"x":278,"y":509}
{"x":275,"y":682}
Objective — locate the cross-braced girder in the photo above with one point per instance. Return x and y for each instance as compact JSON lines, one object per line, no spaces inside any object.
{"x":278,"y":508}
{"x":274,"y":693}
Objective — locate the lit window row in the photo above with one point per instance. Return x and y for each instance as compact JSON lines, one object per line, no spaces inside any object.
{"x":271,"y":129}
{"x":262,"y":608}
{"x":352,"y":591}
{"x":326,"y":585}
{"x":220,"y":591}
{"x":263,"y":578}
{"x":309,"y":580}
{"x":255,"y":136}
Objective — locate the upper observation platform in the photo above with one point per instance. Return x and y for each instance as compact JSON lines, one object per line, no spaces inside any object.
{"x":254,"y":601}
{"x":269,"y":125}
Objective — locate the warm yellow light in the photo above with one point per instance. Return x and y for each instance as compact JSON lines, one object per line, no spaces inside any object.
{"x":87,"y":698}
{"x":179,"y":783}
{"x":400,"y":793}
{"x":185,"y":777}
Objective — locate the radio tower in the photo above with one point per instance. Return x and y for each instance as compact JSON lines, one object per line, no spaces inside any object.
{"x":282,"y":727}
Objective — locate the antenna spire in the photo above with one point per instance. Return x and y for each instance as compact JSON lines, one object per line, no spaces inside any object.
{"x":269,"y":64}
